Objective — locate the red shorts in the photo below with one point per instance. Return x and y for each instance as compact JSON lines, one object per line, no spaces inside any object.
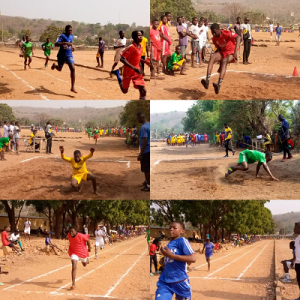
{"x":155,"y":53}
{"x":226,"y":53}
{"x":95,"y":137}
{"x":138,"y":80}
{"x":166,"y":49}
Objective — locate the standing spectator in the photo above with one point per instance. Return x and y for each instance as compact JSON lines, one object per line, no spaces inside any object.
{"x":247,"y":38}
{"x":100,"y":53}
{"x":285,"y":137}
{"x":27,"y":226}
{"x":278,"y":30}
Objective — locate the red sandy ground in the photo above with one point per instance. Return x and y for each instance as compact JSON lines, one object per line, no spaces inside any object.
{"x":256,"y":283}
{"x":54,"y":85}
{"x":272,"y":59}
{"x":90,"y":281}
{"x":205,"y":179}
{"x":49,"y":177}
{"x":283,"y":252}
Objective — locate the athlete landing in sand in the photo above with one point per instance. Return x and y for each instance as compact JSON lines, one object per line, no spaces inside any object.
{"x":227,"y":44}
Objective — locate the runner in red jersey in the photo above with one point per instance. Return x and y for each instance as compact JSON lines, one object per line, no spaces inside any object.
{"x":226,"y":43}
{"x":166,"y":43}
{"x":131,"y":58}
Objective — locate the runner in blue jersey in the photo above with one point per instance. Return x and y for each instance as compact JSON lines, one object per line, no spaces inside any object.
{"x":208,"y":246}
{"x":65,"y":54}
{"x":174,"y":278}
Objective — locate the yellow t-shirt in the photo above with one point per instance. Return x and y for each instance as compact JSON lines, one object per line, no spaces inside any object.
{"x":144,"y":45}
{"x":160,"y":23}
{"x":78,"y":167}
{"x":228,"y":136}
{"x":268,"y":138}
{"x":31,"y":138}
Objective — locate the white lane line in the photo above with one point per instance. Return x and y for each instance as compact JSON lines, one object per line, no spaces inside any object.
{"x":253,"y":73}
{"x":122,"y":277}
{"x":26,"y":83}
{"x":232,"y":262}
{"x":69,"y":265}
{"x":77,"y":279}
{"x":252,"y":262}
{"x":65,"y":294}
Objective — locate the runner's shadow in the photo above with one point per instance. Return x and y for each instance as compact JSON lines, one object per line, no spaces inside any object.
{"x":4,"y":89}
{"x":44,"y":90}
{"x":187,"y":94}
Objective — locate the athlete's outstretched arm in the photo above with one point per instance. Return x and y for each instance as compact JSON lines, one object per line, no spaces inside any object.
{"x":257,"y":170}
{"x":269,"y":172}
{"x":185,"y":258}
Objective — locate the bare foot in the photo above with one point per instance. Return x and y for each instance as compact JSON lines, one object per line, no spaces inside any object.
{"x":73,"y":90}
{"x":73,"y":287}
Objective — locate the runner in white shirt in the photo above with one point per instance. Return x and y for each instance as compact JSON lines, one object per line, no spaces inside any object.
{"x":11,"y":136}
{"x":119,"y":46}
{"x":16,"y":137}
{"x":100,"y":235}
{"x":27,"y":226}
{"x":6,"y":129}
{"x":271,"y":26}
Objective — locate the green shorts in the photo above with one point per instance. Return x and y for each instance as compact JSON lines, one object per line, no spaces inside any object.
{"x":47,"y":53}
{"x":242,"y":158}
{"x":27,"y":55}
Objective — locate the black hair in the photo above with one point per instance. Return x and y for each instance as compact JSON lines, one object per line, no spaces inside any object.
{"x":177,"y":46}
{"x":214,"y":26}
{"x":5,"y":227}
{"x":27,"y":36}
{"x":194,"y":18}
{"x":292,"y":244}
{"x":161,"y":18}
{"x":167,"y":13}
{"x":134,"y":34}
{"x":180,"y":223}
{"x":77,"y":152}
{"x":72,"y":227}
{"x":48,"y":38}
{"x":178,"y":18}
{"x":154,"y":20}
{"x":67,"y":28}
{"x":100,"y":38}
{"x":142,"y":31}
{"x":238,"y":17}
{"x":269,"y":155}
{"x":140,"y":113}
{"x":156,"y":241}
{"x":120,"y":32}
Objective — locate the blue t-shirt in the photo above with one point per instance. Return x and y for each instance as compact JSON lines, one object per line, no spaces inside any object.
{"x":62,"y":51}
{"x":175,"y":270}
{"x":278,"y":30}
{"x":47,"y":241}
{"x":209,"y":249}
{"x":145,"y":132}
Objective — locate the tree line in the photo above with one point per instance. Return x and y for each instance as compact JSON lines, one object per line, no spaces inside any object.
{"x":111,"y":212}
{"x":223,"y":217}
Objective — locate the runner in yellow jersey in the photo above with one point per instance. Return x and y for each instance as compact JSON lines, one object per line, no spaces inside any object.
{"x":80,"y":171}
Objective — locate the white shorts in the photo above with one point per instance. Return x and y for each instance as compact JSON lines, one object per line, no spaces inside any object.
{"x":75,"y":257}
{"x":117,"y":56}
{"x":278,"y":37}
{"x":99,"y":244}
{"x":27,"y":230}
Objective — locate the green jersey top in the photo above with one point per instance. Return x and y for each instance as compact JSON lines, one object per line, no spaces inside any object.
{"x":4,"y":141}
{"x":148,"y":235}
{"x":27,"y":47}
{"x":47,"y":48}
{"x":174,"y":59}
{"x":96,"y":132}
{"x":252,"y":156}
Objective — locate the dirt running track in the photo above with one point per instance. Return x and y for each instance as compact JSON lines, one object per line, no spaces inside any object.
{"x":119,"y":273}
{"x":268,"y":77}
{"x":48,"y":177}
{"x":283,"y":252}
{"x":201,"y":171}
{"x":39,"y":83}
{"x":244,"y":273}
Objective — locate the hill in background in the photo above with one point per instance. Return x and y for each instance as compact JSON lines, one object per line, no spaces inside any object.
{"x":286,"y":222}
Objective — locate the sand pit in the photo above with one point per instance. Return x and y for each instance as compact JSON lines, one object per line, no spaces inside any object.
{"x":201,"y":172}
{"x":283,"y":252}
{"x":268,"y":77}
{"x":39,"y":83}
{"x":45,"y":177}
{"x":245,"y":273}
{"x":119,"y":273}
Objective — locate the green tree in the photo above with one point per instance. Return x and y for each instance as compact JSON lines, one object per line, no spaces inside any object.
{"x":52,"y":32}
{"x":10,"y":208}
{"x":6,"y":113}
{"x":24,"y":32}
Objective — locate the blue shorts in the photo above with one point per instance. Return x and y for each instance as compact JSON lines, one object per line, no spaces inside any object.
{"x":62,"y":60}
{"x":182,"y":290}
{"x":208,"y":256}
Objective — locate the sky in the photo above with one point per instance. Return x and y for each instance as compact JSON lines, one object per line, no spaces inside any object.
{"x":66,"y":103}
{"x":278,"y":207}
{"x":162,"y":106}
{"x":89,"y":11}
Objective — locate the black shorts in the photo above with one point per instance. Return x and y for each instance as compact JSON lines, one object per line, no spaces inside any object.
{"x":145,"y":163}
{"x":10,"y":245}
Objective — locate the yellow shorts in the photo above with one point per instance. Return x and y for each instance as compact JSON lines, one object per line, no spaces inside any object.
{"x":180,"y":63}
{"x":81,"y":176}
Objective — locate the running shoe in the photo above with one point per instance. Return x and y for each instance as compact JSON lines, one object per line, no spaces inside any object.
{"x":217,"y":88}
{"x":233,"y":151}
{"x":226,"y":156}
{"x":283,"y":159}
{"x":290,"y":156}
{"x":205,"y":83}
{"x":146,"y":188}
{"x":151,"y":274}
{"x":286,"y":280}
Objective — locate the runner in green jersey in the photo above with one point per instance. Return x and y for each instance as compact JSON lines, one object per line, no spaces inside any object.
{"x":3,"y":143}
{"x":47,"y":50}
{"x":250,"y":157}
{"x":27,"y":48}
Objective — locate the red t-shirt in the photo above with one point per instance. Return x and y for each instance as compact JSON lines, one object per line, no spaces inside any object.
{"x":164,"y":29}
{"x":226,"y":41}
{"x":78,"y":245}
{"x":155,"y":38}
{"x":4,"y":237}
{"x":133,"y":55}
{"x":153,"y":249}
